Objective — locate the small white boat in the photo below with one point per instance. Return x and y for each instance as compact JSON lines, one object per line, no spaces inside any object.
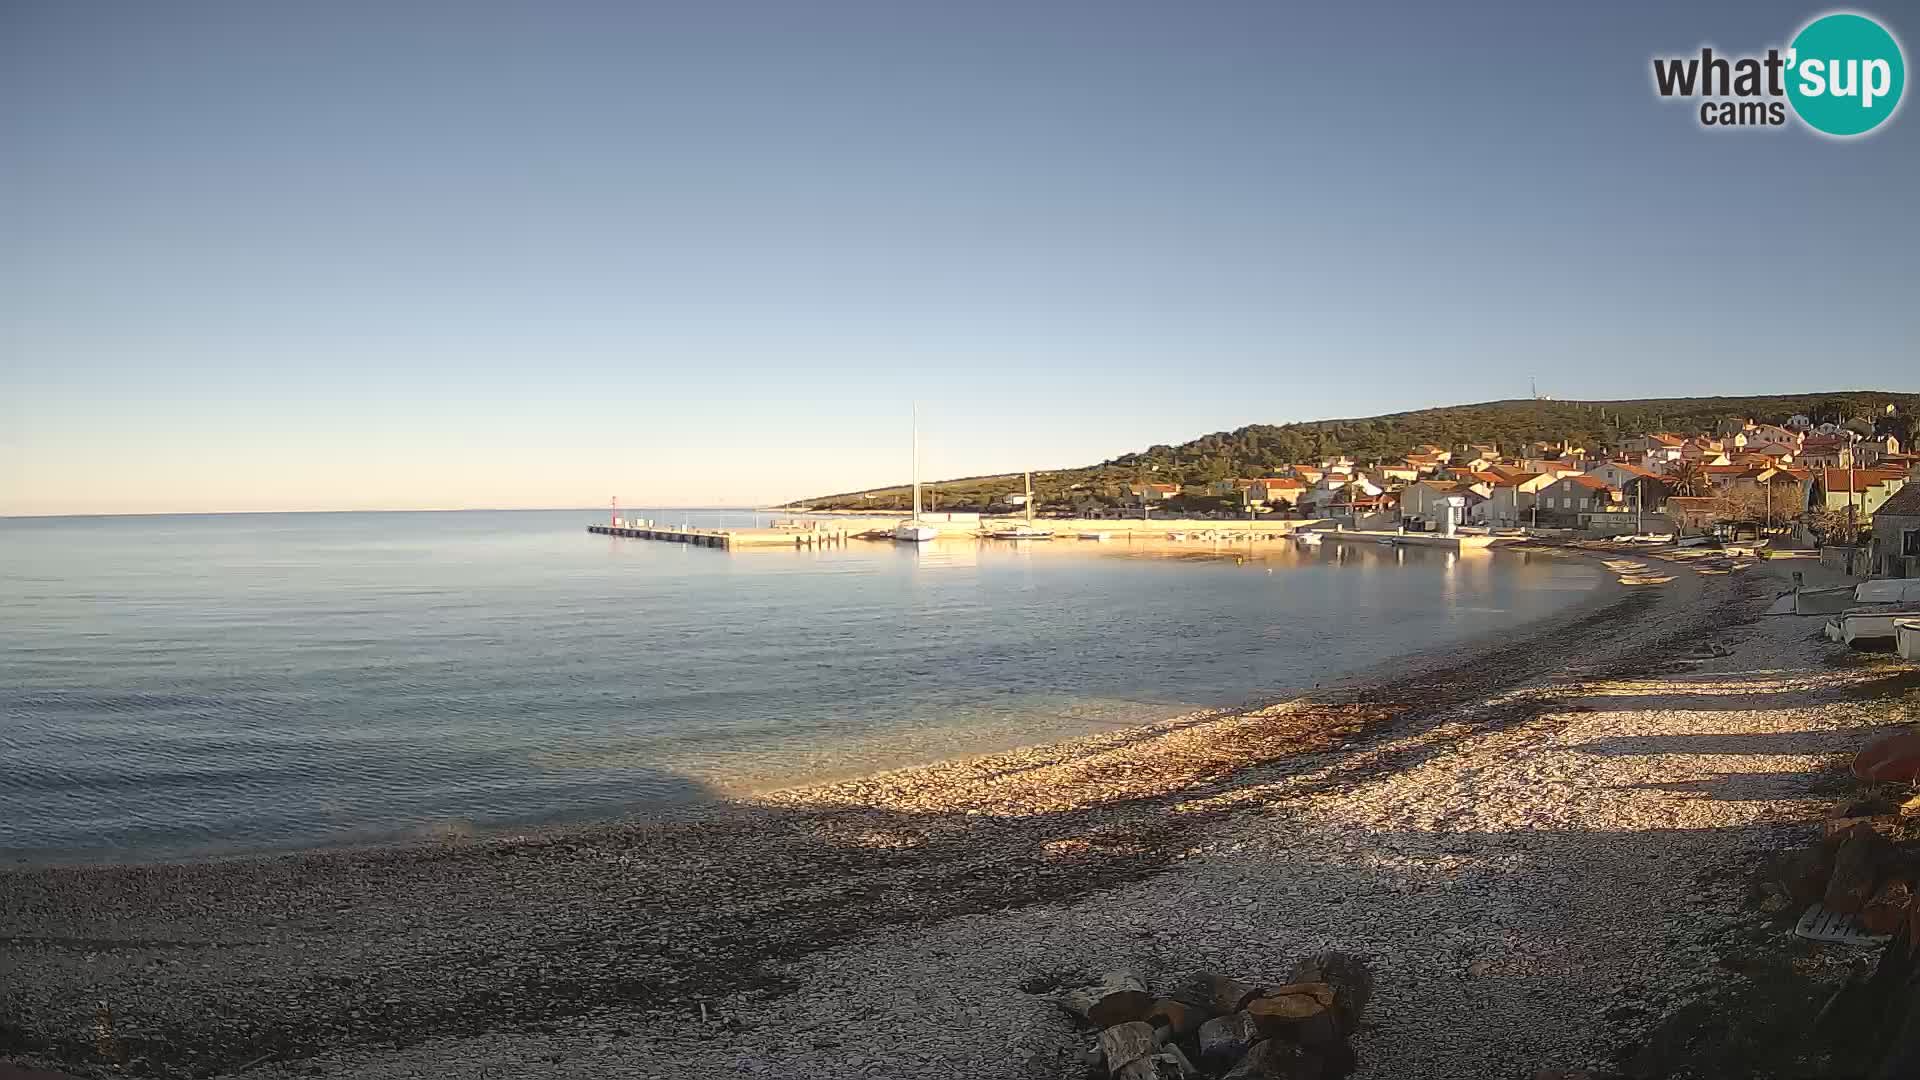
{"x":1307,"y":539}
{"x":1177,"y":536}
{"x":1387,"y":540}
{"x":1906,"y":639}
{"x":1860,"y":626}
{"x":1096,"y":536}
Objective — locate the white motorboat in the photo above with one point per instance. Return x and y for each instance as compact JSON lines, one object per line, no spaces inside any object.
{"x":1307,"y":539}
{"x":913,"y":530}
{"x":1096,"y":536}
{"x":1906,"y":639}
{"x":1859,"y":627}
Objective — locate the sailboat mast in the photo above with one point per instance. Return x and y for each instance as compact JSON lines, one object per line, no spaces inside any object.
{"x":916,"y":463}
{"x":1029,"y":497}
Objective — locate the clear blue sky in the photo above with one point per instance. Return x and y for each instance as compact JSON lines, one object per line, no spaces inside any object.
{"x":354,"y":254}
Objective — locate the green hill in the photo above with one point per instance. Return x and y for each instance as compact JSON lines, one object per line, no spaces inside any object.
{"x":1255,"y":450}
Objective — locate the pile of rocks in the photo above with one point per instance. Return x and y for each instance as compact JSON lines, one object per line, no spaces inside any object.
{"x":1866,"y":865}
{"x":1210,"y":1026}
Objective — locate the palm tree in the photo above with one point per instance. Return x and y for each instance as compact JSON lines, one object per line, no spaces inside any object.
{"x":1688,"y":479}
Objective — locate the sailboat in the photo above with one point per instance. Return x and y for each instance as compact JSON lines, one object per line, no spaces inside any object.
{"x":913,"y":530}
{"x":1023,"y":532}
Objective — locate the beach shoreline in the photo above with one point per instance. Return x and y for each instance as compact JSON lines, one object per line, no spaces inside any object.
{"x":1606,"y":588}
{"x":536,"y":925}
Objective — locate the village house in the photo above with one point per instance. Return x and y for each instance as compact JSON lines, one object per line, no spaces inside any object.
{"x":1694,"y":514}
{"x":1856,"y":492}
{"x":1871,"y":452}
{"x":1153,"y":492}
{"x":1336,"y":488}
{"x":1426,"y":501}
{"x":1719,"y":477}
{"x":1895,"y":551}
{"x":1274,"y":491}
{"x":1632,"y":481}
{"x":1827,"y":452}
{"x":1659,"y":457}
{"x":1570,"y":500}
{"x":1639,"y":446}
{"x":1776,"y":452}
{"x":1401,"y":473}
{"x":1788,"y":484}
{"x":1554,"y":467}
{"x":1510,"y":500}
{"x":1356,"y":503}
{"x":1704,"y":452}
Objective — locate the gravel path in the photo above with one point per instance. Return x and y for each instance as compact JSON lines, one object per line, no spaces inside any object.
{"x":1536,"y":843}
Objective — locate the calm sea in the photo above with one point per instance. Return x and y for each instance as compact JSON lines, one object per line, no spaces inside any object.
{"x":173,"y":686}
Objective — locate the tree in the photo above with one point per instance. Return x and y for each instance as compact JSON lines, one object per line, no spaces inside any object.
{"x":1688,"y":478}
{"x":1831,"y":526}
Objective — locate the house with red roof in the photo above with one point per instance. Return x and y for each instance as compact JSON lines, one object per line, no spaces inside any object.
{"x":1856,"y":492}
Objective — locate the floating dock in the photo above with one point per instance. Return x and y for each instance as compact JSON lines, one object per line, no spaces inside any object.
{"x":725,"y":538}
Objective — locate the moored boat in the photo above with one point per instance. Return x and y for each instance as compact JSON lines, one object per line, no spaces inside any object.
{"x":1028,"y":531}
{"x":1906,"y":638}
{"x":1860,"y":627}
{"x":913,"y":530}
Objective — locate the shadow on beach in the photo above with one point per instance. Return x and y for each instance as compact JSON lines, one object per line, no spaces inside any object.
{"x":209,"y":967}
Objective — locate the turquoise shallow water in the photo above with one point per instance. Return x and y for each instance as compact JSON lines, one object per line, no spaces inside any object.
{"x":172,"y":686}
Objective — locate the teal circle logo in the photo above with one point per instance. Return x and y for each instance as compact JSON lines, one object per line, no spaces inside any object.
{"x":1845,"y":73}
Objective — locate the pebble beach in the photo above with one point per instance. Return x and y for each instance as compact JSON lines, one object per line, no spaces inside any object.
{"x":1535,"y":841}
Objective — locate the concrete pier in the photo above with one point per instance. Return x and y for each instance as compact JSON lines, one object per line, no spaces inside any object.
{"x":725,"y":538}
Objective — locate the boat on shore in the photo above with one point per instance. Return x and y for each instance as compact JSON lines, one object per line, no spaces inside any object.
{"x":1906,"y":639}
{"x":1860,"y":627}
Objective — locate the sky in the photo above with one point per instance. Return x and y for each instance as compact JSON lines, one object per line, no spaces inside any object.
{"x":362,"y":255}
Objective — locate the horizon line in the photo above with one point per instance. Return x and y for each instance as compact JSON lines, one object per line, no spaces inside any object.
{"x":392,"y":510}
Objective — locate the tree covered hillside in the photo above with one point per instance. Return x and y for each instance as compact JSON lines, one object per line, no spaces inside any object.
{"x":1255,"y":450}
